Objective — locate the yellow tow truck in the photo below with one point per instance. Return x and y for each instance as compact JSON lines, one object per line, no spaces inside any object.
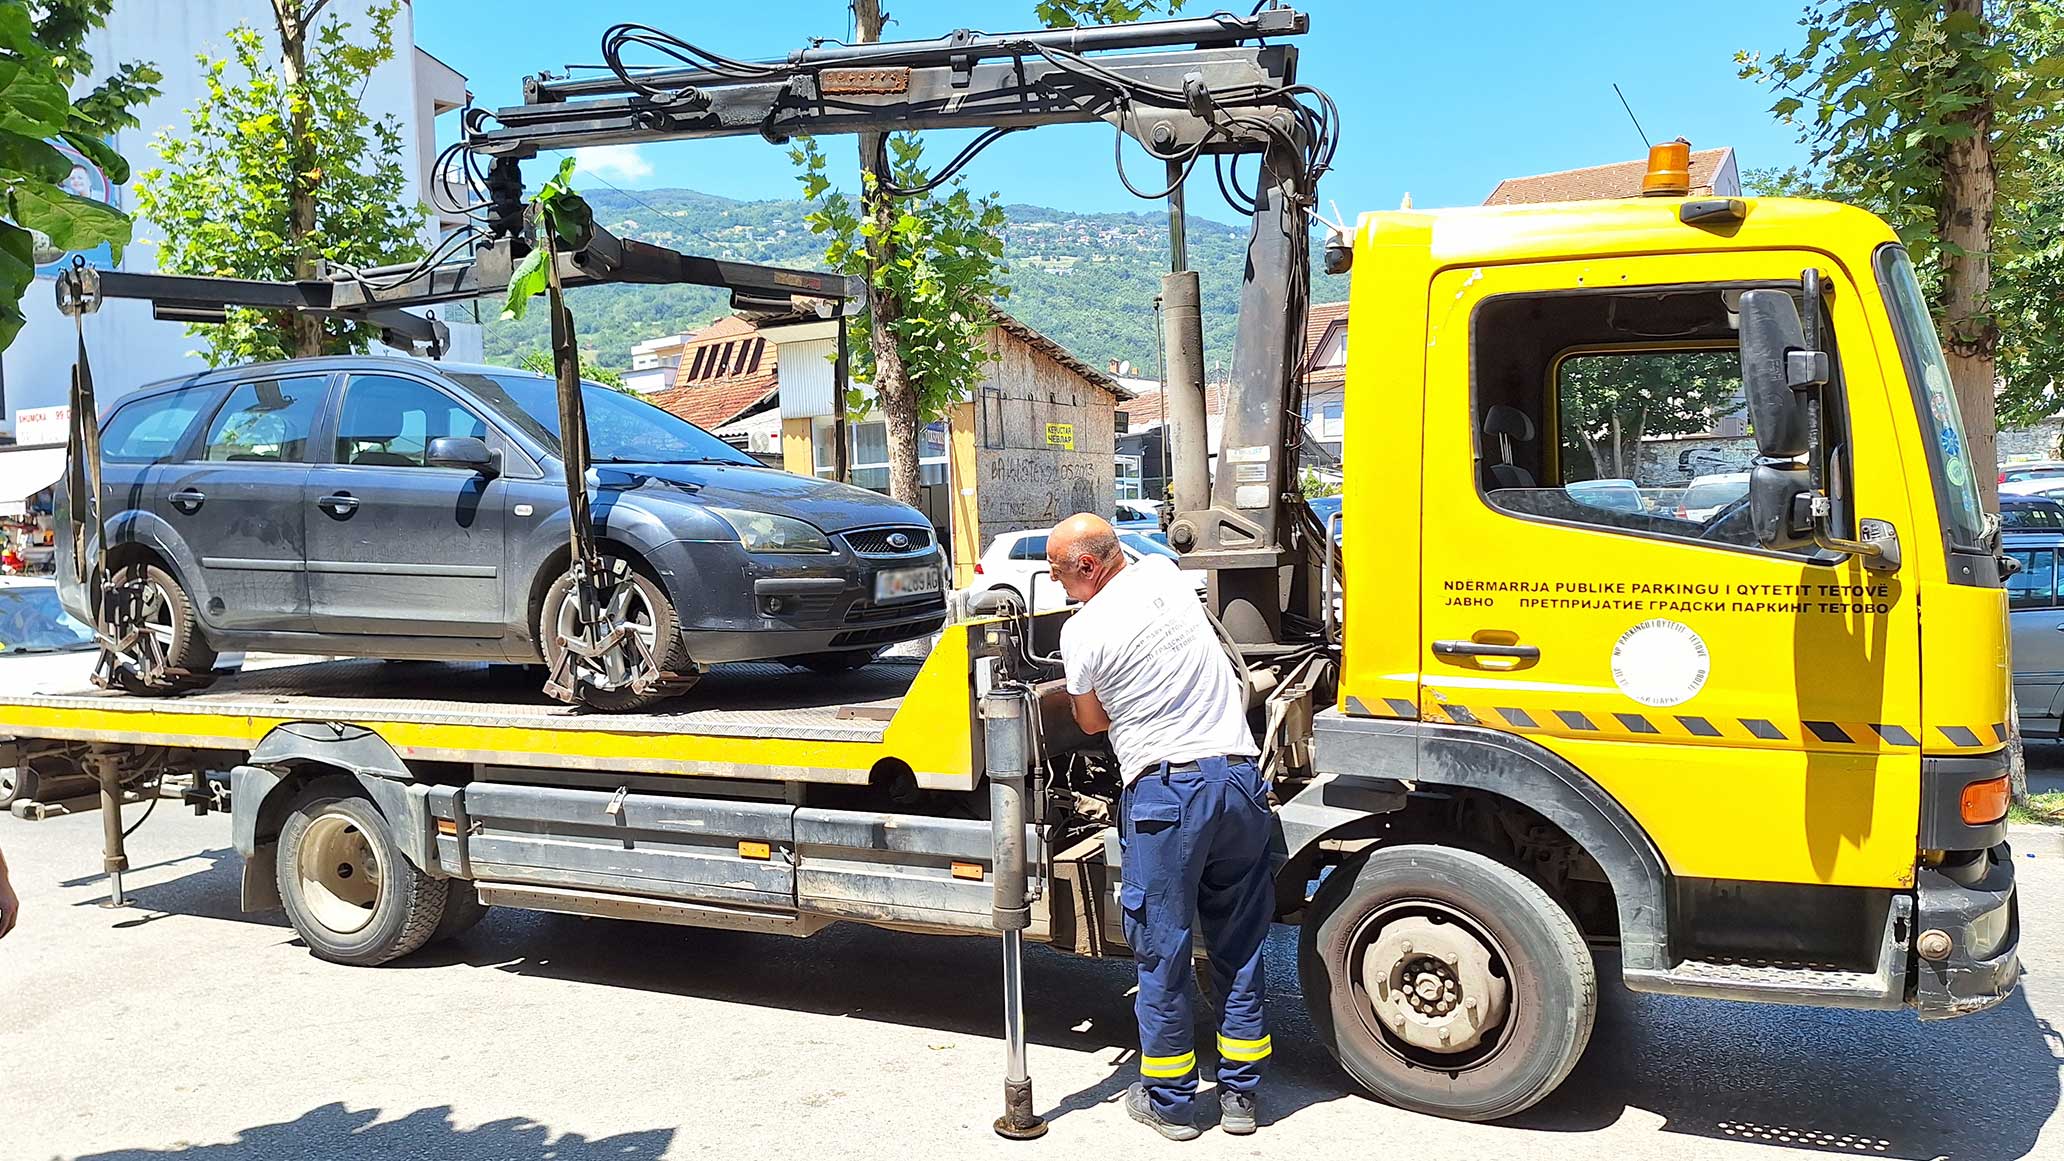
{"x":1762,"y":751}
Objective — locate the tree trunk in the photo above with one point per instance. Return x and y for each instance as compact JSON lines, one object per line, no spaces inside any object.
{"x":1964,"y":223}
{"x":893,"y":392}
{"x":307,"y":330}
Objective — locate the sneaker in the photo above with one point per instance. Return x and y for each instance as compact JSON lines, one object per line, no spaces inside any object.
{"x":1141,"y":1109}
{"x":1236,"y":1111}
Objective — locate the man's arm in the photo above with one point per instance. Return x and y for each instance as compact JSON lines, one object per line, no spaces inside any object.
{"x":1089,"y":712}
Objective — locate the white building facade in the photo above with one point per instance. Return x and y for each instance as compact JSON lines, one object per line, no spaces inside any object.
{"x":128,"y":347}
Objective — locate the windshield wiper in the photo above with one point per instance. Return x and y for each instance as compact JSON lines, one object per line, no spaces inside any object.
{"x":661,"y":460}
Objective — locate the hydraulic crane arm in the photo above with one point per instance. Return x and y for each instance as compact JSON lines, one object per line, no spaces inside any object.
{"x":1184,"y":90}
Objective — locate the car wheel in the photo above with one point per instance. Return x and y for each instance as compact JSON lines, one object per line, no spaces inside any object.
{"x":845,"y":661}
{"x":637,"y":603}
{"x":1446,"y":982}
{"x":17,"y":784}
{"x":150,"y":615}
{"x":350,"y":893}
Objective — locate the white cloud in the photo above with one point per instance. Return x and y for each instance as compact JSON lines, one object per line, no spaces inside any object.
{"x":613,"y":162}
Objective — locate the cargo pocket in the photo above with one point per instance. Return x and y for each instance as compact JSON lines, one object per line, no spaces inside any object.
{"x":1152,"y":818}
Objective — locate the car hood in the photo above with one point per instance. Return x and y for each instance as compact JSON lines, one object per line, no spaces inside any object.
{"x":830,"y":506}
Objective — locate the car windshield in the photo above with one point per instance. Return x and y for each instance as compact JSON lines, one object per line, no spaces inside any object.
{"x":621,"y":428}
{"x":2021,"y":517}
{"x":32,"y":621}
{"x":1956,"y":485}
{"x":1715,"y":494}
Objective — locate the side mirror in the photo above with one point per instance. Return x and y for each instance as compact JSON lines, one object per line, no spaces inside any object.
{"x":1781,"y":504}
{"x":461,"y":451}
{"x":1779,"y":372}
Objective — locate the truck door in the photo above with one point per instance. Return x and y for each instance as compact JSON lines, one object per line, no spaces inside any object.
{"x":1757,"y":712}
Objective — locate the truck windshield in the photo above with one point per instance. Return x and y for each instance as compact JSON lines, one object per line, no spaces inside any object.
{"x":1949,"y":454}
{"x":621,"y":428}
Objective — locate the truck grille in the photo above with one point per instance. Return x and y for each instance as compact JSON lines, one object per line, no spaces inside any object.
{"x":881,"y":541}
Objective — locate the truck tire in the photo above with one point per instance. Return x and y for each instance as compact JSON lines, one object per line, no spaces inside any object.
{"x":1446,"y":982}
{"x":463,"y":910}
{"x":18,"y":784}
{"x":350,"y":893}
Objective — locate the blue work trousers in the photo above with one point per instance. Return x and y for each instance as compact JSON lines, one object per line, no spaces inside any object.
{"x":1195,"y":844}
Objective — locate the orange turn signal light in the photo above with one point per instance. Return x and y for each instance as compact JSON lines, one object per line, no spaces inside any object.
{"x":1985,"y":802}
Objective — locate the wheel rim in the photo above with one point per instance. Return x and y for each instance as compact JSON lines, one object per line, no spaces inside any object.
{"x":341,"y":871}
{"x":1432,"y":985}
{"x":616,"y":667}
{"x":140,"y":620}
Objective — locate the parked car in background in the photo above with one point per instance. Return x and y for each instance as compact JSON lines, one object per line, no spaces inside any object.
{"x":1137,"y":514}
{"x":1612,"y":495}
{"x":2026,"y":471}
{"x":1705,"y":496}
{"x":2032,"y":533}
{"x":385,"y":507}
{"x":1015,"y":563}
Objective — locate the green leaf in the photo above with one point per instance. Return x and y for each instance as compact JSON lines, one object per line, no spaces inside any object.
{"x":112,"y":163}
{"x":68,"y":220}
{"x":528,"y":279}
{"x":33,"y":158}
{"x":17,"y":30}
{"x":31,"y":103}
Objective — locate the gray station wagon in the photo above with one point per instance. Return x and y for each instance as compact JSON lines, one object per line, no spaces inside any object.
{"x":389,"y":507}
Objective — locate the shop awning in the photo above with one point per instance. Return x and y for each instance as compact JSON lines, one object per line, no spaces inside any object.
{"x":26,"y":471}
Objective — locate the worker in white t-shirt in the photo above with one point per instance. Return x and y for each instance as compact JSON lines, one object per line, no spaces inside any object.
{"x":1145,"y":665}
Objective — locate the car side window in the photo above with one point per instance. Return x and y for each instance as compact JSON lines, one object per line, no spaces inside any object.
{"x":1029,"y":548}
{"x":1585,"y":413}
{"x":2035,"y":586}
{"x":388,"y":421}
{"x":149,"y":431}
{"x":265,"y":421}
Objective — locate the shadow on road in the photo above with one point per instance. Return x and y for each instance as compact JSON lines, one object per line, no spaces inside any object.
{"x":335,"y":1131}
{"x":1871,"y":1084}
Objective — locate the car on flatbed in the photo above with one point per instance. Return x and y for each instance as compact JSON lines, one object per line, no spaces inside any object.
{"x":387,"y":507}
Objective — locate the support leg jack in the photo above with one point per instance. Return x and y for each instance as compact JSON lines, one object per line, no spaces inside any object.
{"x":115,"y":858}
{"x":1018,"y":1122}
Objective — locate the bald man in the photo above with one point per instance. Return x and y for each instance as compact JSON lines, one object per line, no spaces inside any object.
{"x":1145,"y":665}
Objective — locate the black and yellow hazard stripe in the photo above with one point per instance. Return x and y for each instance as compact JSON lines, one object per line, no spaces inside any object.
{"x":1654,"y":725}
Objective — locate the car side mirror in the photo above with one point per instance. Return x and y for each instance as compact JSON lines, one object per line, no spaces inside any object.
{"x":469,"y":452}
{"x":1779,"y":373}
{"x":1781,"y":505}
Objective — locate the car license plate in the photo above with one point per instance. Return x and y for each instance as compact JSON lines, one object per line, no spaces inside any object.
{"x":896,"y":583}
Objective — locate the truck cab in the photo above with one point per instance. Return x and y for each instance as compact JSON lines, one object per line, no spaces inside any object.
{"x":1750,"y":695}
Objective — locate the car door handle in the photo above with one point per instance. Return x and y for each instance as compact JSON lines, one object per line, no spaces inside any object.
{"x":188,"y":500}
{"x":339,"y":504}
{"x":1479,"y":649}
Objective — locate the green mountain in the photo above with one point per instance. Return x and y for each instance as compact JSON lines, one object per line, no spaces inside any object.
{"x":1088,"y":281}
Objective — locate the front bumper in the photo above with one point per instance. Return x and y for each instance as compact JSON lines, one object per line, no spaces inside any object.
{"x":1975,"y":906}
{"x":738,"y":606}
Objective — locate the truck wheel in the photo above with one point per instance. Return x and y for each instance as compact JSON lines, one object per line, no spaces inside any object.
{"x":639,"y":604}
{"x":463,"y":910}
{"x":350,"y":893}
{"x":165,"y":635}
{"x":18,"y":784}
{"x":1446,"y":982}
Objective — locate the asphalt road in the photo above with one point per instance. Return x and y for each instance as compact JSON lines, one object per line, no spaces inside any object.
{"x":182,"y":1028}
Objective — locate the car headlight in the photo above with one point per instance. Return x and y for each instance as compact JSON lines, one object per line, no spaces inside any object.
{"x":762,"y":532}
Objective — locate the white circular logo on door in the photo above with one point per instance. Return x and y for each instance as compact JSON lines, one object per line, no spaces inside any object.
{"x":1660,"y":662}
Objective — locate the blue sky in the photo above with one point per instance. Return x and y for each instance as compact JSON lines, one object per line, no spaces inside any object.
{"x":1437,"y":100}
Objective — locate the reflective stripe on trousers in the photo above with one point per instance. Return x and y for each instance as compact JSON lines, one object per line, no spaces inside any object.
{"x":1195,"y":840}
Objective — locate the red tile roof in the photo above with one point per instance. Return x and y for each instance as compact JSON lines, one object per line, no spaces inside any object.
{"x":712,"y":405}
{"x":1600,"y":182}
